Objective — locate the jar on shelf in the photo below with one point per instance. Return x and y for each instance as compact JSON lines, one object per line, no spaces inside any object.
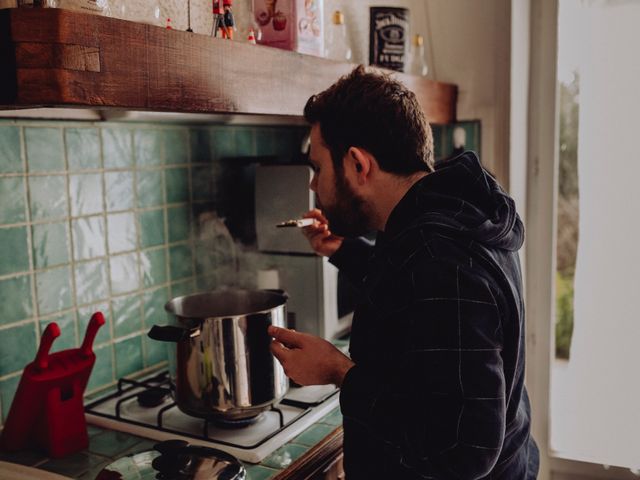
{"x":337,"y":44}
{"x":417,"y":61}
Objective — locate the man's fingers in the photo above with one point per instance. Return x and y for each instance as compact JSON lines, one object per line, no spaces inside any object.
{"x":289,"y":338}
{"x":317,"y":214}
{"x":279,"y":351}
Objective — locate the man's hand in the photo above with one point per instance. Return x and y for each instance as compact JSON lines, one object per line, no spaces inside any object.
{"x":320,"y":237}
{"x":308,"y":360}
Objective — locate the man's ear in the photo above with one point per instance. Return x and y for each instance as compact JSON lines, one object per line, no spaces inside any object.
{"x":359,"y":162}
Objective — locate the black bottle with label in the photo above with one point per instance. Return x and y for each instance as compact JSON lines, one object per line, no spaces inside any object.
{"x":388,"y":34}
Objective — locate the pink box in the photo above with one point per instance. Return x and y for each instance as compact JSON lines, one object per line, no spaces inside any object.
{"x":291,"y":24}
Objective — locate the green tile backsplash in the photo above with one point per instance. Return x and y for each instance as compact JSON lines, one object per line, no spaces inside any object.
{"x":12,"y":199}
{"x":103,"y":217}
{"x":83,"y":148}
{"x":10,"y":150}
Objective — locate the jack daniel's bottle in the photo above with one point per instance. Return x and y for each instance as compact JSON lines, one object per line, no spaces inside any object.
{"x":388,"y":32}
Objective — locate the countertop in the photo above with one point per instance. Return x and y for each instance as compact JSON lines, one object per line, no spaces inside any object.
{"x":106,"y":446}
{"x":314,"y":445}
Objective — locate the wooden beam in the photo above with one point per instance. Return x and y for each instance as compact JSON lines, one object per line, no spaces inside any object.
{"x":64,"y":58}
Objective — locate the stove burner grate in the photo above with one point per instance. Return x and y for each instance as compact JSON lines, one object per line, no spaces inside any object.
{"x":129,"y":390}
{"x":230,"y":423}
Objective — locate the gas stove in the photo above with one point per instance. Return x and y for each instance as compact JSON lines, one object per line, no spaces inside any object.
{"x":145,"y":408}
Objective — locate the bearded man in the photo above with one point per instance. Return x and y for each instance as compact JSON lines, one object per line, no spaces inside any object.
{"x":434,"y":385}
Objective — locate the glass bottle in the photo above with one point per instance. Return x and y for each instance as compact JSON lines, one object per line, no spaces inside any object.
{"x":337,"y":45}
{"x":417,"y":62}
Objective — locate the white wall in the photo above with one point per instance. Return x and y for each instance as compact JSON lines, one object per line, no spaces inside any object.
{"x":467,"y":43}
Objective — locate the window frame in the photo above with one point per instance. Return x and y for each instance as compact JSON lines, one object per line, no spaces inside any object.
{"x":542,"y":166}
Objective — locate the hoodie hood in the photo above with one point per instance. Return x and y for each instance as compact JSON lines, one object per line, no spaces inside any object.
{"x":461,"y":197}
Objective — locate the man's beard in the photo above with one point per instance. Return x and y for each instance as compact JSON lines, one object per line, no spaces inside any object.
{"x":348,"y":215}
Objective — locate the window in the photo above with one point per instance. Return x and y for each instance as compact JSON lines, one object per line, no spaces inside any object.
{"x":595,"y":386}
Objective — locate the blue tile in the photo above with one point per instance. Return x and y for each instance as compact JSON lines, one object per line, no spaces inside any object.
{"x":48,"y":197}
{"x":124,"y":273}
{"x":8,"y":389}
{"x":223,"y":142}
{"x":50,"y":244}
{"x":284,"y":456}
{"x":12,"y":199}
{"x":312,"y":435}
{"x":117,"y":147}
{"x":155,"y":352}
{"x":200,"y":141}
{"x":112,"y":444}
{"x":122,"y":232}
{"x":148,"y":147}
{"x":180,"y":262}
{"x":150,"y":188}
{"x":45,"y":152}
{"x":126,"y":315}
{"x":154,"y":267}
{"x":177,"y":183}
{"x":178,"y":221}
{"x":154,"y":302}
{"x":92,"y":283}
{"x":10,"y":158}
{"x":128,"y":356}
{"x":17,"y":348}
{"x":67,"y":323}
{"x":85,"y":194}
{"x":151,"y":228}
{"x":83,"y":148}
{"x":84,"y":317}
{"x":14,"y":242}
{"x":176,"y":146}
{"x":53,"y":290}
{"x":103,"y":372}
{"x":334,"y":418}
{"x":15,"y":299}
{"x":265,"y":140}
{"x":88,"y":238}
{"x":119,"y":190}
{"x":72,"y":465}
{"x":260,"y":472}
{"x":182,"y":288}
{"x":202,"y":183}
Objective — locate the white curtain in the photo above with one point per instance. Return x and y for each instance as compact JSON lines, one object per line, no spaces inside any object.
{"x":599,"y":415}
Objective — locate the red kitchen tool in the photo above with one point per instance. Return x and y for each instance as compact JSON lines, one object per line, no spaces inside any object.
{"x":47,"y":410}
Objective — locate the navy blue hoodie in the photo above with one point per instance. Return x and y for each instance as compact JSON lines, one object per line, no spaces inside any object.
{"x":438,"y":336}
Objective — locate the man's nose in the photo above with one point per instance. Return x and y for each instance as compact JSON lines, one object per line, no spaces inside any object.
{"x":314,"y":184}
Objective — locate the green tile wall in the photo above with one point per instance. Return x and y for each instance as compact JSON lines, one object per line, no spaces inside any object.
{"x":103,"y":216}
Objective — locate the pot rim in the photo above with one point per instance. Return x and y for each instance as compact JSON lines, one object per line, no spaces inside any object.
{"x":279,"y":299}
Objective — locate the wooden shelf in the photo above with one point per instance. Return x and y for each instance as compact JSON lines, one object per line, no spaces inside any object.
{"x":59,"y":58}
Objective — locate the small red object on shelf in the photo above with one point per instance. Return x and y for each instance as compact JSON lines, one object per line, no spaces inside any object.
{"x":169,"y":24}
{"x":47,"y":409}
{"x":252,"y":36}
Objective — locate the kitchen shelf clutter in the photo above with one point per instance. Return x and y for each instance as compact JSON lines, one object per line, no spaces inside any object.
{"x":60,"y":58}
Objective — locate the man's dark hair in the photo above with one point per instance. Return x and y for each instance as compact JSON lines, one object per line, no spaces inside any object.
{"x":372,"y":111}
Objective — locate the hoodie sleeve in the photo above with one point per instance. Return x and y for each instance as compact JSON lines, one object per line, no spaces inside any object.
{"x":352,"y":258}
{"x":443,"y":410}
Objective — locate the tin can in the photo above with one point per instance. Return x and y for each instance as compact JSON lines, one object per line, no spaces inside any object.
{"x":388,"y":33}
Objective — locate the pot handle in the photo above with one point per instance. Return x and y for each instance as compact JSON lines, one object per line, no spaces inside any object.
{"x":168,"y":333}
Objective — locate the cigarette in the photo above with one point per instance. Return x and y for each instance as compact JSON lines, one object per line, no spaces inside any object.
{"x":300,"y":222}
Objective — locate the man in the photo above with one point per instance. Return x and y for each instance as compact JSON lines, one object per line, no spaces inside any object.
{"x":434,"y":387}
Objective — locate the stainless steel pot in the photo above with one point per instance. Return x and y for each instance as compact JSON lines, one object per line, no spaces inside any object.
{"x":223,"y":365}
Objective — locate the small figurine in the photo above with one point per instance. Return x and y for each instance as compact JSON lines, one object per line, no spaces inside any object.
{"x":223,"y":22}
{"x":252,"y":37}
